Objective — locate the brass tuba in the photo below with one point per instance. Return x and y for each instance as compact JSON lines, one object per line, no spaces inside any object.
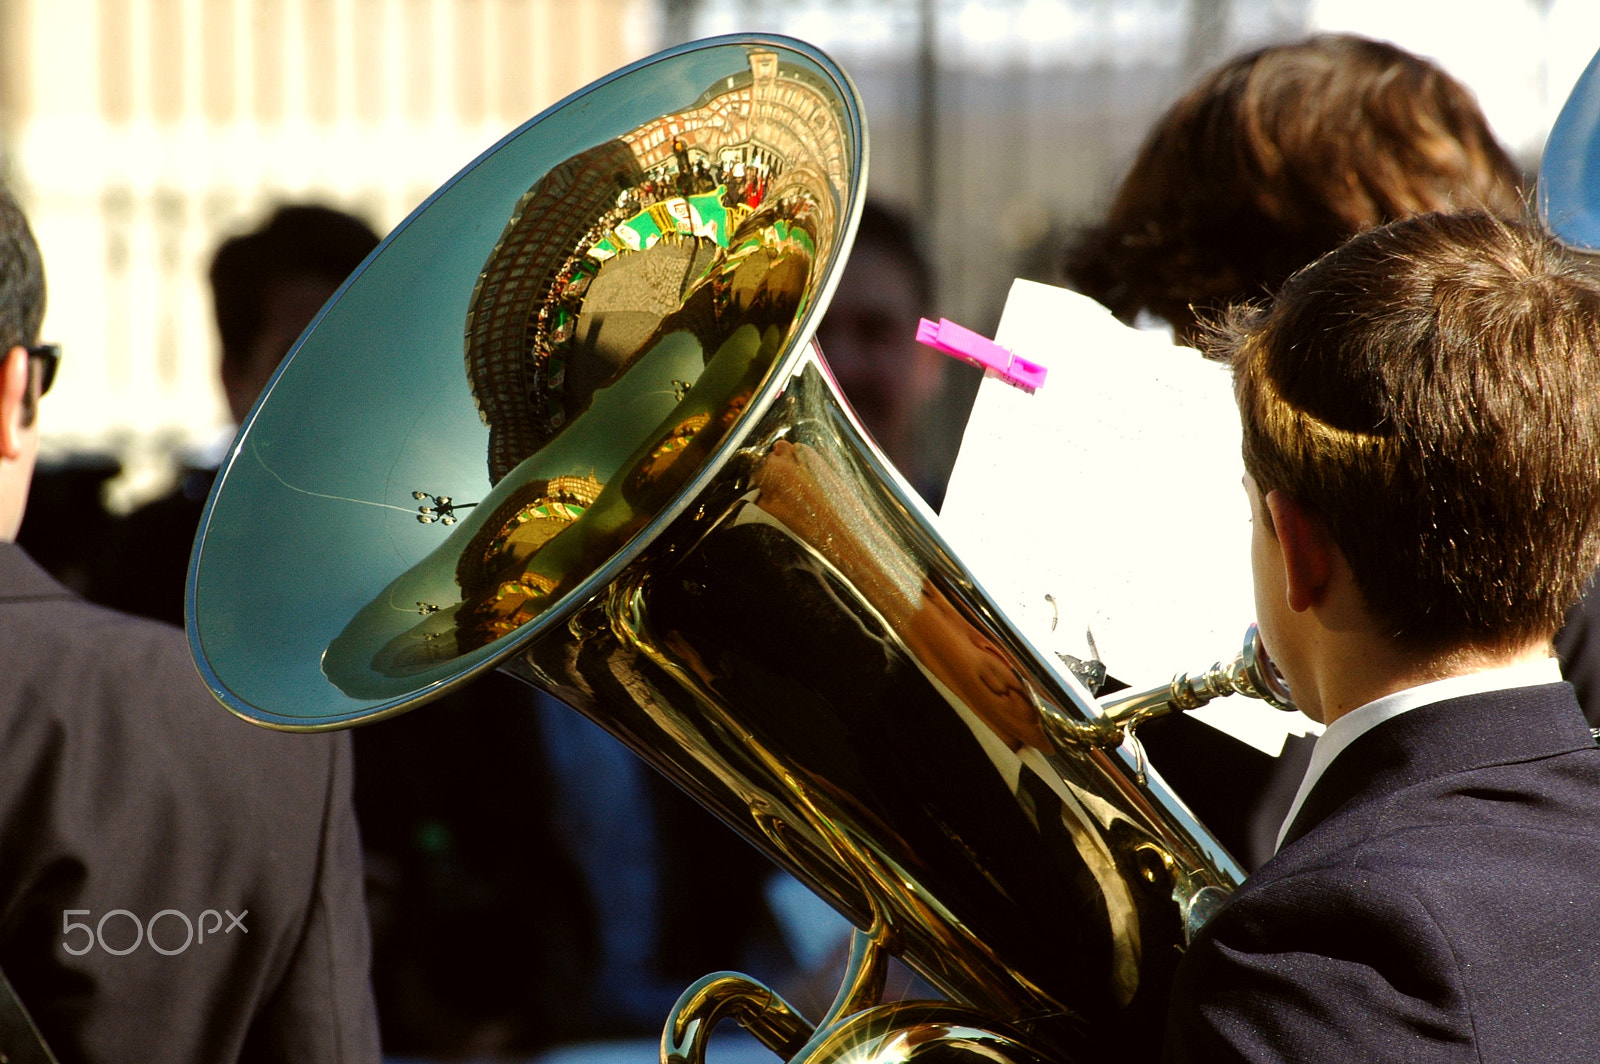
{"x":567,"y":421}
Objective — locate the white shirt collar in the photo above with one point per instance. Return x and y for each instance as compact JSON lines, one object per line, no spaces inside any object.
{"x":1356,"y":723}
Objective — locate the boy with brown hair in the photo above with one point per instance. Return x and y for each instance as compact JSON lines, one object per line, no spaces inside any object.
{"x":1421,"y":416}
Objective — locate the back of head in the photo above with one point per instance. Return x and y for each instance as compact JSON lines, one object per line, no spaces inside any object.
{"x":267,"y":286}
{"x":297,"y":241}
{"x":21,"y":278}
{"x":1277,"y":157}
{"x":1432,"y":390}
{"x":885,"y":229}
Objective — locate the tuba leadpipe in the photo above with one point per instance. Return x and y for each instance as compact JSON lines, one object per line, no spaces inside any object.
{"x":1250,"y":673}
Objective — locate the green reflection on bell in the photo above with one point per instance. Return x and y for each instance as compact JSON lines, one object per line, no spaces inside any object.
{"x":562,"y":511}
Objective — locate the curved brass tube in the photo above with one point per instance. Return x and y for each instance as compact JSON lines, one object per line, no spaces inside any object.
{"x":763,"y":1012}
{"x":864,"y":974}
{"x":901,"y":1031}
{"x":714,"y":998}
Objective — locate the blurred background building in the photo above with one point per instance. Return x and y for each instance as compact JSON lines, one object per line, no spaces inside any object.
{"x":139,"y":133}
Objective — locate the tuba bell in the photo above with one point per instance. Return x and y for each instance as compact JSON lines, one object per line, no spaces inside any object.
{"x":568,"y":421}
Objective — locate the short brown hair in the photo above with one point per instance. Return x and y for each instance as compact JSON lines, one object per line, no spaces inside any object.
{"x":1432,"y":390}
{"x":1280,"y":156}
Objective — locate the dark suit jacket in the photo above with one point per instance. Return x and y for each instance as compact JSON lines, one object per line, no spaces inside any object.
{"x":1437,"y":899}
{"x":124,"y":786}
{"x":1578,"y":647}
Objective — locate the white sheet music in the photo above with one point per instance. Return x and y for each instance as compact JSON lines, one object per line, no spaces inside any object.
{"x":1109,"y":502}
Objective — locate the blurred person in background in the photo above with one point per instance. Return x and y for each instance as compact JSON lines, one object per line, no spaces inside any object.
{"x":1272,"y":160}
{"x":900,"y":389}
{"x":266,"y":286}
{"x":534,"y":884}
{"x":134,"y":813}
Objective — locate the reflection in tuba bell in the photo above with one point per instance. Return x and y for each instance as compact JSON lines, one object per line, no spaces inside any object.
{"x":567,"y":421}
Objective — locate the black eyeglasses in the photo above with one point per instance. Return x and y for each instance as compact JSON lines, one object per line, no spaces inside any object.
{"x":49,"y":356}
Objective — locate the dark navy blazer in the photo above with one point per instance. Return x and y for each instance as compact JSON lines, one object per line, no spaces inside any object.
{"x":124,"y":786}
{"x":1437,"y":899}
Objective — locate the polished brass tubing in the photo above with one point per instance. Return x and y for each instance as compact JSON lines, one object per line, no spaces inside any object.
{"x":801,"y":652}
{"x":759,"y":1009}
{"x":1250,"y":673}
{"x":901,"y":1031}
{"x":1183,"y":693}
{"x":773,"y":1021}
{"x":864,"y":975}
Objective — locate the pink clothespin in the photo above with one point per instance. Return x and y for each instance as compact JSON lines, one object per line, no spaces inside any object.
{"x":968,"y":346}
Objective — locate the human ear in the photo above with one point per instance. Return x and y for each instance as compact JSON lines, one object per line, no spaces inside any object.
{"x":1308,"y":550}
{"x":15,"y":403}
